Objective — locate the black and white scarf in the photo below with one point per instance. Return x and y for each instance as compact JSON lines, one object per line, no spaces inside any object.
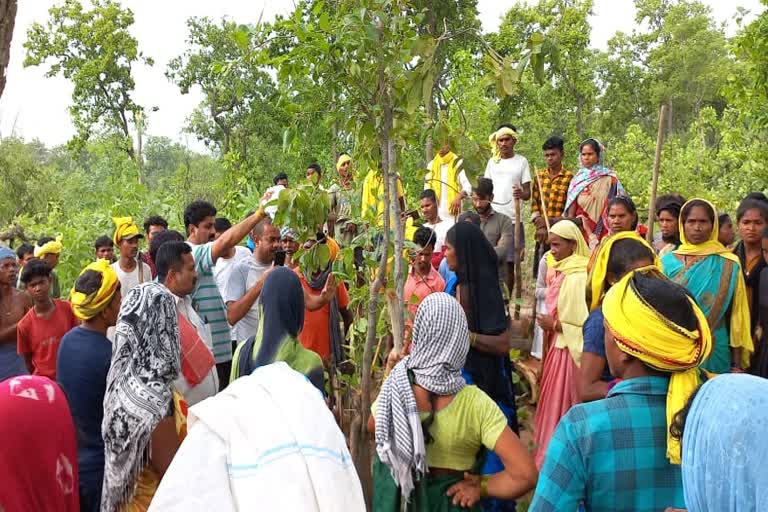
{"x":438,"y":352}
{"x":146,"y":359}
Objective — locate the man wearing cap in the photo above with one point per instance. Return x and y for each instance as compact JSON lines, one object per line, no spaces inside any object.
{"x":511,"y":176}
{"x":129,"y":269}
{"x":49,"y":250}
{"x":289,"y":240}
{"x":14,"y":304}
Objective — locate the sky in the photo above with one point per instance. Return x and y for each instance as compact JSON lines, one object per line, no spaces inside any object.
{"x":33,"y":106}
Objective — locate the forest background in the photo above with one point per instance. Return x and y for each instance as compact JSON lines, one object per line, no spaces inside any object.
{"x":388,"y":81}
{"x":260,"y":116}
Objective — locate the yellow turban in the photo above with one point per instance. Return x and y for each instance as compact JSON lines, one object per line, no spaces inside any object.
{"x":342,"y":160}
{"x":642,"y":332}
{"x":85,"y":306}
{"x":52,"y":247}
{"x":124,"y":228}
{"x":497,"y":135}
{"x":600,"y":266}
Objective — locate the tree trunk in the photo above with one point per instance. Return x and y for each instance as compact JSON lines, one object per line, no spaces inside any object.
{"x":580,"y":117}
{"x":395,"y":300}
{"x":669,"y":117}
{"x":361,"y":451}
{"x":429,"y":150}
{"x":7,"y":21}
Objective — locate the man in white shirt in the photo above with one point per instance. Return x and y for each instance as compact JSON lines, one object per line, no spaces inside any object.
{"x":449,"y":182}
{"x":511,"y":176}
{"x":176,"y":270}
{"x":129,"y":269}
{"x":434,"y":221}
{"x":223,"y":268}
{"x":280,"y":183}
{"x":242,"y":290}
{"x":199,"y":218}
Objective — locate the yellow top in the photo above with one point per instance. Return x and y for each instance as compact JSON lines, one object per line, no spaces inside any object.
{"x":373,"y":194}
{"x":470,"y":421}
{"x":434,"y":176}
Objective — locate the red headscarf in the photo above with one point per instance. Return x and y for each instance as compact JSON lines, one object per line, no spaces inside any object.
{"x":38,"y":448}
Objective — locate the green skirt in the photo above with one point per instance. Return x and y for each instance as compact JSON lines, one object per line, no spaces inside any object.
{"x":428,"y":496}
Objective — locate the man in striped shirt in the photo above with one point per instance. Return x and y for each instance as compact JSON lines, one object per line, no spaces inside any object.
{"x":199,"y":219}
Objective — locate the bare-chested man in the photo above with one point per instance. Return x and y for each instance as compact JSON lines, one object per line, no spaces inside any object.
{"x":14,"y":304}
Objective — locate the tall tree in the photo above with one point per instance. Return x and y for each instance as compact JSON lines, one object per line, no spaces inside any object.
{"x":7,"y":21}
{"x":96,"y":52}
{"x":217,"y":60}
{"x":682,"y":59}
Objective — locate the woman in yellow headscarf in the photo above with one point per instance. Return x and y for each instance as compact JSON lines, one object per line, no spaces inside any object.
{"x":617,"y":255}
{"x":712,"y":274}
{"x":620,"y":448}
{"x":567,"y":259}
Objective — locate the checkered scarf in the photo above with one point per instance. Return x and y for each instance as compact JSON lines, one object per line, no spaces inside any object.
{"x":439,"y":350}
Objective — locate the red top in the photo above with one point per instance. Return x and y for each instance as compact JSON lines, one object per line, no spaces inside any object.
{"x":316,"y":334}
{"x":40,"y":336}
{"x":416,"y":290}
{"x":38,"y":456}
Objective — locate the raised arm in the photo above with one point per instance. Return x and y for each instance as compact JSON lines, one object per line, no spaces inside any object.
{"x":235,"y":234}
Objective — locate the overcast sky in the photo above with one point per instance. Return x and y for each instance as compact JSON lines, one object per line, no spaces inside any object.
{"x":33,"y":106}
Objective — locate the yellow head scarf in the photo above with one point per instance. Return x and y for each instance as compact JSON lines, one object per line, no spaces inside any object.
{"x":497,"y":135}
{"x":571,"y":308}
{"x":52,"y":247}
{"x":342,"y":160}
{"x":124,"y":228}
{"x":740,"y":328}
{"x":600,"y":267}
{"x":711,"y":246}
{"x":85,"y":306}
{"x":580,"y":257}
{"x":642,"y":332}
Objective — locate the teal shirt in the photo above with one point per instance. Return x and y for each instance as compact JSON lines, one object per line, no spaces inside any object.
{"x":611,"y":454}
{"x":208,"y":303}
{"x":712,"y":282}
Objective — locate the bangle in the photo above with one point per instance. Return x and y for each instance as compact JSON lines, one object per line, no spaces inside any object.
{"x":484,"y":486}
{"x":472,"y":339}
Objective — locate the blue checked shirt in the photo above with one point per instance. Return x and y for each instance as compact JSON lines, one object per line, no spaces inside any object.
{"x":611,"y":454}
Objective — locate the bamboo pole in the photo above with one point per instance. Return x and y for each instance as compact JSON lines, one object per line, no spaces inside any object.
{"x":518,"y":267}
{"x":656,"y":166}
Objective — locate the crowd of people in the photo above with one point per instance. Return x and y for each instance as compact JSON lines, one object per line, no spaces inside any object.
{"x":194,"y":375}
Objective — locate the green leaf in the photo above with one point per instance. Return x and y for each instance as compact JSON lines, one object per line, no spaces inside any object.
{"x":241,"y":38}
{"x":361,"y":324}
{"x":414,"y":96}
{"x":509,"y":81}
{"x":324,"y":23}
